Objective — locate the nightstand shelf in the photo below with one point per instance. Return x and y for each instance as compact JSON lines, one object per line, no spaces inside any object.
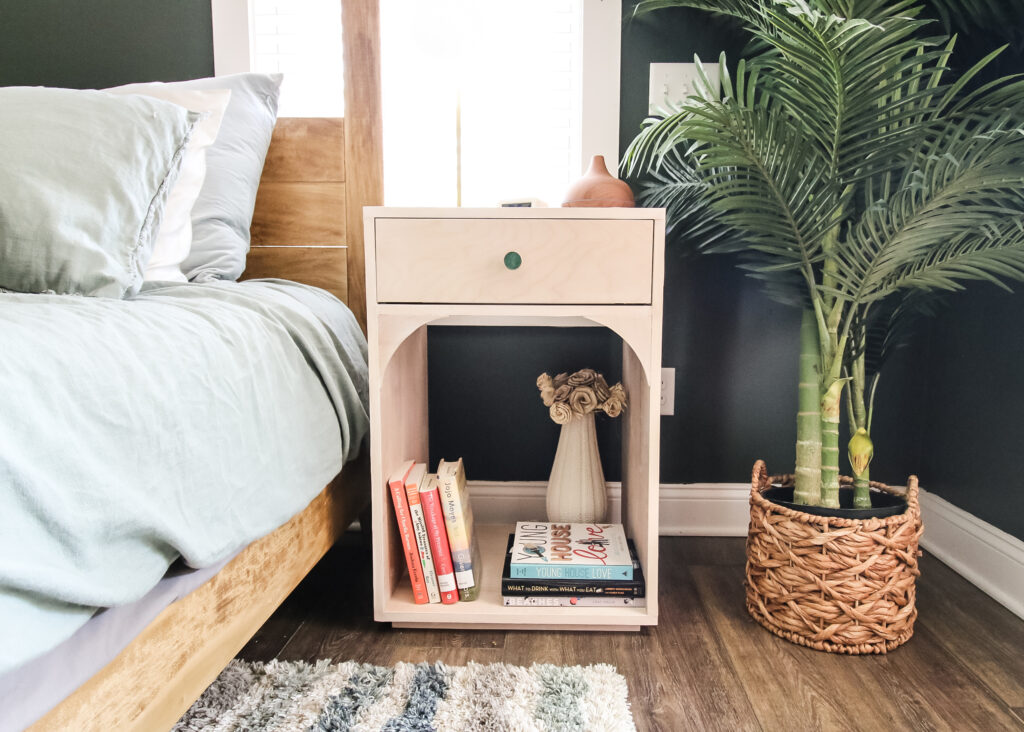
{"x":447,"y":267}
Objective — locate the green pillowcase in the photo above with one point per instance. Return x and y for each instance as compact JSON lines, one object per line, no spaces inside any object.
{"x":83,"y":181}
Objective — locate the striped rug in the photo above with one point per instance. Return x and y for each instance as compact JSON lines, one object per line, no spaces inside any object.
{"x":415,"y":697}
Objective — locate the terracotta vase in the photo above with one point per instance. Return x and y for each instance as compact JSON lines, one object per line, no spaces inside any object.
{"x":598,"y":188}
{"x":576,"y":489}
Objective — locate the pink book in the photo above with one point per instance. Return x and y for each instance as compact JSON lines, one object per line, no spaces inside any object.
{"x":438,"y":535}
{"x":405,"y":529}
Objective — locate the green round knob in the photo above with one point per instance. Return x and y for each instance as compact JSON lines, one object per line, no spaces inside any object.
{"x":513,"y":260}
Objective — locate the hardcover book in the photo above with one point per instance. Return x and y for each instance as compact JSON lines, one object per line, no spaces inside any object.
{"x":419,"y":526}
{"x":570,"y":551}
{"x":438,"y":536}
{"x":635,"y":587}
{"x":396,"y":483}
{"x":458,"y":516}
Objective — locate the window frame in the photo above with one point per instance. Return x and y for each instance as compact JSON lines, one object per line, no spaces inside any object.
{"x":602,"y":47}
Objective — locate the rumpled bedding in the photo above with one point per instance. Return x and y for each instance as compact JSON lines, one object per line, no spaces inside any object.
{"x":187,"y":420}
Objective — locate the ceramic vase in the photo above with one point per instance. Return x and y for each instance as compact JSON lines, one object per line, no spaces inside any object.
{"x":598,"y":188}
{"x":576,"y":489}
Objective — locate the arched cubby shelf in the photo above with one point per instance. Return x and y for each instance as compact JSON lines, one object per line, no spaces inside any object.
{"x":436,"y":267}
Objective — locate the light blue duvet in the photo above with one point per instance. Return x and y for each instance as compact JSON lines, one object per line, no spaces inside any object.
{"x":187,"y":420}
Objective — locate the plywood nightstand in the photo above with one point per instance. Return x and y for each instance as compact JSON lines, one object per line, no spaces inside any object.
{"x":448,"y":267}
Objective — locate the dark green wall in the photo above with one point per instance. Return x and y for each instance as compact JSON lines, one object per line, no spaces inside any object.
{"x":952,"y":401}
{"x":972,"y":445}
{"x":103,"y":43}
{"x":484,"y":402}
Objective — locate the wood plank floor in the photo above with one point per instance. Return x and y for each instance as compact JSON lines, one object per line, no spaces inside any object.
{"x":707,"y":666}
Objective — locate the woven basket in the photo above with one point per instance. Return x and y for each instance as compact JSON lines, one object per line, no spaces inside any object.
{"x":834,"y":584}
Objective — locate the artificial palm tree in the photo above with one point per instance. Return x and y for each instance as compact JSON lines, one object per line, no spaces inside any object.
{"x":856,"y":176}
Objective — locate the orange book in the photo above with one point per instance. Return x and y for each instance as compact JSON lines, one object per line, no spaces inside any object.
{"x":405,"y":529}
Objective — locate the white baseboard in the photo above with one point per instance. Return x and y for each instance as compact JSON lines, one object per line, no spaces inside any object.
{"x":989,"y":558}
{"x":687,"y":509}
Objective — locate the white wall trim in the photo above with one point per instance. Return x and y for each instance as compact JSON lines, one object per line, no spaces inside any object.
{"x":231,"y":36}
{"x":686,"y":509}
{"x":599,"y":101}
{"x":987,"y":557}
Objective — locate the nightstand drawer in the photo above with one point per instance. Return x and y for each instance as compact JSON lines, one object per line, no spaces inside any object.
{"x":501,"y":260}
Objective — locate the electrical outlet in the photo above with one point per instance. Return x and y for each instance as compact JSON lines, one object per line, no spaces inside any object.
{"x":668,"y":391}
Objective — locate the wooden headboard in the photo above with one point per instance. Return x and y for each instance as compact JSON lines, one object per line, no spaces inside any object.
{"x":319,"y":173}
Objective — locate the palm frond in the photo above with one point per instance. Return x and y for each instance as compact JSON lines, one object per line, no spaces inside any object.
{"x":678,"y":187}
{"x":996,"y":256}
{"x":882,"y":329}
{"x":849,"y":80}
{"x":967,"y":179}
{"x":761,"y":179}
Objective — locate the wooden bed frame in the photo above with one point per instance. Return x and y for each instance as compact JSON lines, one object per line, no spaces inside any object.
{"x":307,"y":227}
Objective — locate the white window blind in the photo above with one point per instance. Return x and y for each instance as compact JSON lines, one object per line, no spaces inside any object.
{"x":482,"y":100}
{"x":301,"y":39}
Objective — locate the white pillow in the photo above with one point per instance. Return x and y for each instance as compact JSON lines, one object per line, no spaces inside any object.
{"x":174,"y":240}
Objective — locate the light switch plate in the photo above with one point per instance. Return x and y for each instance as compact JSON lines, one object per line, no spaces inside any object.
{"x":672,"y":83}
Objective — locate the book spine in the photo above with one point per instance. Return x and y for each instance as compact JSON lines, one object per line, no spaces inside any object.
{"x":553,"y":601}
{"x":580,"y":572}
{"x":419,"y":526}
{"x":577,"y":589}
{"x":409,"y":546}
{"x":454,"y":502}
{"x":438,"y":537}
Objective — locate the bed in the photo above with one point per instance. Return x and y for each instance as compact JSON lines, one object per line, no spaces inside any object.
{"x":306,"y":228}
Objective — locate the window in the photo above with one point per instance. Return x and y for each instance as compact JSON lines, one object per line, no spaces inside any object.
{"x":299,"y":38}
{"x":484,"y":100}
{"x":489,"y":101}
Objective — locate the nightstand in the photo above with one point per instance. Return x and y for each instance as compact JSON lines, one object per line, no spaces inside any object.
{"x":499,"y":267}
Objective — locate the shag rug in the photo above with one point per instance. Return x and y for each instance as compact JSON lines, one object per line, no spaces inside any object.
{"x":324,"y":697}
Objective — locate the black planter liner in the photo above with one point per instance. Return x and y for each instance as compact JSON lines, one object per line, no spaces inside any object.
{"x":882,"y":504}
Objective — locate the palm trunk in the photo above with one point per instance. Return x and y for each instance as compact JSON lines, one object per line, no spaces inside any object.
{"x":832,"y":359}
{"x":830,"y":402}
{"x":807,"y":490}
{"x":862,"y":489}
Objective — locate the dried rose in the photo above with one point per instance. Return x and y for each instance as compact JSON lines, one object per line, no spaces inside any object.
{"x":547,"y":395}
{"x":560,"y":412}
{"x":561,"y":380}
{"x":583,"y":400}
{"x":613,"y":407}
{"x":583,"y":377}
{"x":543,"y":381}
{"x":617,"y":392}
{"x":601,"y":388}
{"x":562,"y":393}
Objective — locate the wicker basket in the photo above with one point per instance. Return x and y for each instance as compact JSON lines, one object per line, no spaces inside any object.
{"x":834,"y":584}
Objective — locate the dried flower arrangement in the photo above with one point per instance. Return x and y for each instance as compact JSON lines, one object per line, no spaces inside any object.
{"x":569,"y":396}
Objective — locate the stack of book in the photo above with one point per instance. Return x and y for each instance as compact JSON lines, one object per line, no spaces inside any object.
{"x":571,"y":565}
{"x":435,"y":521}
